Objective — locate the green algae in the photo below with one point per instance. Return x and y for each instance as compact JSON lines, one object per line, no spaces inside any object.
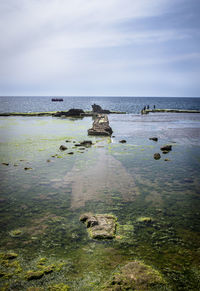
{"x":33,"y":203}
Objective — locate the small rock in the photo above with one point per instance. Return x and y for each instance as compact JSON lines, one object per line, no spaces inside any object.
{"x":166,"y":148}
{"x":153,"y":138}
{"x":70,"y":153}
{"x":10,"y":256}
{"x":67,"y":141}
{"x":122,"y":141}
{"x":5,"y":164}
{"x":157,"y":156}
{"x":145,"y":220}
{"x":34,"y":275}
{"x":26,"y":168}
{"x":86,"y":143}
{"x":15,"y":233}
{"x":63,"y":148}
{"x":167,"y":160}
{"x":48,"y":161}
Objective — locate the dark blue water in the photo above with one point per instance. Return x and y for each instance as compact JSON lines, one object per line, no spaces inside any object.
{"x":127,"y":104}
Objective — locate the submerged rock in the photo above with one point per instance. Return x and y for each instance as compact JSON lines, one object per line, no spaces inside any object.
{"x":122,"y":141}
{"x":157,"y":156}
{"x":97,"y":109}
{"x":5,"y":164}
{"x":136,"y":276}
{"x":101,"y":126}
{"x":100,"y":226}
{"x":153,"y":138}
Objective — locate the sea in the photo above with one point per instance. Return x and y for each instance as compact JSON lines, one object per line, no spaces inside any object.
{"x":44,"y":191}
{"x":125,"y":104}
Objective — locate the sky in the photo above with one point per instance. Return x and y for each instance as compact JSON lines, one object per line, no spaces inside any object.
{"x":100,"y":48}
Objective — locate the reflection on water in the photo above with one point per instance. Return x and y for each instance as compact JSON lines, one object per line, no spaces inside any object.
{"x":156,"y":201}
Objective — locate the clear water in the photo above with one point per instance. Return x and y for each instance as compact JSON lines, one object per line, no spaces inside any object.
{"x":45,"y":201}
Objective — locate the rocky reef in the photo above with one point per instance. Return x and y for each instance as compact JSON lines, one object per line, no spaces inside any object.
{"x":101,"y":126}
{"x":100,"y":226}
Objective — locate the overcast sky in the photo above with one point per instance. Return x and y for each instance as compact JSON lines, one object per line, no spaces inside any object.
{"x":100,"y":47}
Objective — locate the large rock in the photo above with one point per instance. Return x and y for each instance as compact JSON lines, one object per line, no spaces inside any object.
{"x":100,"y":226}
{"x":136,"y":276}
{"x":97,"y":109}
{"x":101,"y":126}
{"x":70,"y":113}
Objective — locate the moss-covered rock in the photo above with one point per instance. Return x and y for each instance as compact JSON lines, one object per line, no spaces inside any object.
{"x":100,"y":226}
{"x":145,"y":220}
{"x":136,"y":276}
{"x":34,"y":275}
{"x":16,"y":233}
{"x":8,"y":256}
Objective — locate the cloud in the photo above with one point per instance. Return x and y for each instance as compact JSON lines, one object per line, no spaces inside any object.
{"x":46,"y":42}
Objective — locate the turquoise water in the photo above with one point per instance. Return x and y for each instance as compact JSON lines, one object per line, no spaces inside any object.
{"x":44,"y":191}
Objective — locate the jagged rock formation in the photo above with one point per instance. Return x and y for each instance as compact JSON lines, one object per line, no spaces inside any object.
{"x":97,"y":109}
{"x":101,"y":126}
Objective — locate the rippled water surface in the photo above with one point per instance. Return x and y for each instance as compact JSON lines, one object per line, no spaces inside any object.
{"x":44,"y":191}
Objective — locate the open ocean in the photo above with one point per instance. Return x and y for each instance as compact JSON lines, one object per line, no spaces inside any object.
{"x":127,"y":104}
{"x":45,"y":190}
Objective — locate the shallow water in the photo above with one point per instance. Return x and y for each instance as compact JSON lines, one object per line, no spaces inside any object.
{"x":45,"y":201}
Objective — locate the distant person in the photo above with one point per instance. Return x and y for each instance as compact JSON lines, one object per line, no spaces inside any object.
{"x":147,"y":106}
{"x":154,"y":107}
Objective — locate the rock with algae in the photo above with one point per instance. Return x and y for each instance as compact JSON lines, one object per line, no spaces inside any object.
{"x":145,"y":219}
{"x":8,"y":256}
{"x":100,"y":226}
{"x":34,"y":275}
{"x":16,"y":233}
{"x":136,"y":276}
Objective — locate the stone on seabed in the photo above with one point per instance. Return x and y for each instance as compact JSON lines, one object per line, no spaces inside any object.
{"x":100,"y":226}
{"x":101,"y":126}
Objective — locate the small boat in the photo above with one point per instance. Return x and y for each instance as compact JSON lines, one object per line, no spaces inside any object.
{"x":57,"y":99}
